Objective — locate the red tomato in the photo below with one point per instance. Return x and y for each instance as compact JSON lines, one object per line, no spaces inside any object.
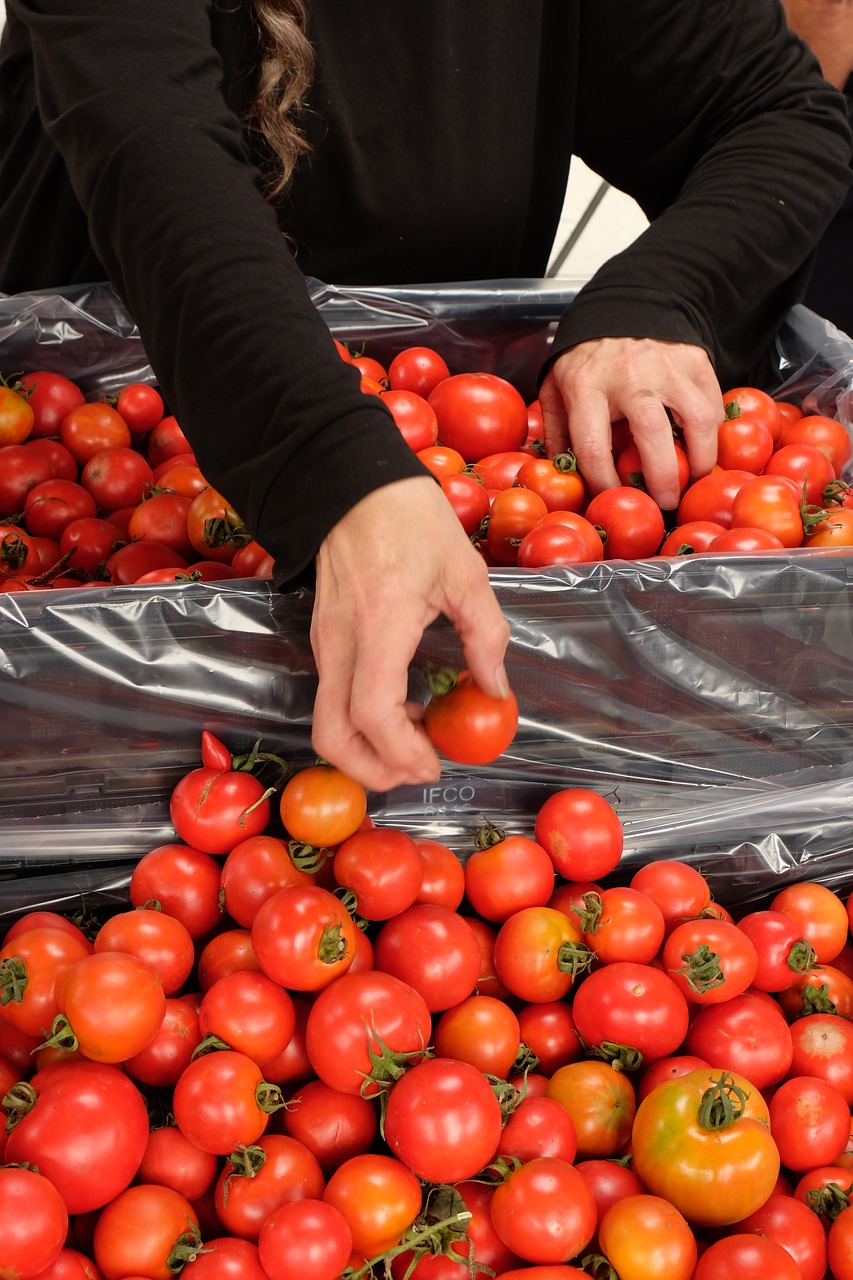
{"x":303,"y":937}
{"x":560,"y":544}
{"x":748,"y":1256}
{"x":225,"y":1258}
{"x":678,"y":888}
{"x":32,"y":964}
{"x":711,"y":497}
{"x":793,"y":1226}
{"x":350,"y":1021}
{"x":443,"y":879}
{"x":469,"y":499}
{"x":622,"y":923}
{"x":137,"y":1232}
{"x":51,"y":397}
{"x":539,"y":953}
{"x":819,"y":914}
{"x":836,"y":530}
{"x":161,"y":940}
{"x":479,"y":414}
{"x":629,"y":467}
{"x":307,"y":1237}
{"x":556,"y":480}
{"x":514,"y":512}
{"x":772,"y":503}
{"x":807,"y":465}
{"x":130,"y":563}
{"x":114,"y":1003}
{"x":35,"y":1223}
{"x":822,"y":1045}
{"x":91,"y":427}
{"x":630,"y":1006}
{"x":253,"y":871}
{"x":756,"y":404}
{"x":548,"y":1030}
{"x":380,"y":1199}
{"x":141,"y":406}
{"x":506,"y":874}
{"x":691,"y":538}
{"x":53,"y":504}
{"x":417,"y":369}
{"x":601,"y":1102}
{"x":442,"y":1120}
{"x":544,"y":1211}
{"x":538,"y":1127}
{"x":20,"y":468}
{"x":414,"y":416}
{"x":499,"y":470}
{"x":170,"y":1050}
{"x":748,"y":1032}
{"x":215,"y":809}
{"x":442,"y":461}
{"x":214,"y":528}
{"x":218,"y":1103}
{"x":744,"y":443}
{"x":710,"y":960}
{"x":59,"y":459}
{"x":482,"y":1031}
{"x":632,"y":522}
{"x":580,"y":832}
{"x":783,"y":953}
{"x":90,"y":542}
{"x":227,"y":952}
{"x":162,"y":518}
{"x":810,"y":1121}
{"x":742,"y":539}
{"x":186,"y":883}
{"x":254,"y":1183}
{"x":166,"y":440}
{"x":333,"y":1125}
{"x":250,"y":1013}
{"x":470,"y":726}
{"x":434,"y":950}
{"x":827,"y":434}
{"x":383,"y":868}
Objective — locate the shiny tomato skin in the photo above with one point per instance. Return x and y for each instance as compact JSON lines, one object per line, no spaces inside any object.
{"x":538,"y":1127}
{"x":632,"y":521}
{"x":213,"y":809}
{"x":114,"y":1003}
{"x":807,"y":465}
{"x":771,"y":503}
{"x":253,"y":871}
{"x":303,"y":937}
{"x":249,"y":1012}
{"x":711,"y":497}
{"x":333,"y":1125}
{"x":679,"y":889}
{"x":468,"y":725}
{"x":161,"y":940}
{"x":91,"y":427}
{"x":469,"y":499}
{"x":379,"y":1198}
{"x":645,"y":1236}
{"x":538,"y":954}
{"x":744,"y":443}
{"x":322,"y":806}
{"x":215,"y":1102}
{"x":51,"y":505}
{"x":756,"y":404}
{"x":35,"y":1223}
{"x":383,"y":867}
{"x":601,"y":1102}
{"x":507,"y":876}
{"x":609,"y":1181}
{"x":246,"y":1195}
{"x":417,"y":369}
{"x":141,"y":406}
{"x":631,"y":1004}
{"x":827,"y":434}
{"x":783,"y":953}
{"x":136,"y":1232}
{"x":226,"y":1258}
{"x":482,"y":1031}
{"x":51,"y":397}
{"x":434,"y":950}
{"x":39,"y":956}
{"x":840,"y":1246}
{"x":557,"y":482}
{"x":810,"y":1122}
{"x":443,"y":1121}
{"x":305,"y":1238}
{"x":822,"y":1045}
{"x":513,"y":514}
{"x":622,"y":923}
{"x":558,"y":544}
{"x":792,"y":1225}
{"x":748,"y":1031}
{"x":690,"y":538}
{"x":544,"y":1211}
{"x":749,"y":1256}
{"x":548,"y":1029}
{"x":414,"y":417}
{"x":171,"y":1160}
{"x":479,"y":414}
{"x":819,"y":913}
{"x":186,"y":883}
{"x":443,"y":879}
{"x":710,"y":960}
{"x":581,"y":833}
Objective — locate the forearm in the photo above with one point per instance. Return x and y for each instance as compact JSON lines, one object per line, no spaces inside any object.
{"x":826,"y":26}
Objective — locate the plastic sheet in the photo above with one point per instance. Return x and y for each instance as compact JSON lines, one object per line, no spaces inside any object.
{"x":713,"y":695}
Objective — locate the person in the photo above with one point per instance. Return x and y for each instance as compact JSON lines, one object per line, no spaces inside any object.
{"x":208,"y":157}
{"x":826,"y":26}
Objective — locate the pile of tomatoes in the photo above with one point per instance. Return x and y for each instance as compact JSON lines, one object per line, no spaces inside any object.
{"x":99,"y":492}
{"x":317,"y":1047}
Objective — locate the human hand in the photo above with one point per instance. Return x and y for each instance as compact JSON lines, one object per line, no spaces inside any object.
{"x":827,"y":28}
{"x":387,"y":569}
{"x":596,"y":383}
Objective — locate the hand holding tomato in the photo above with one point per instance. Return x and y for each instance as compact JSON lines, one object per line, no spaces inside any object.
{"x":596,"y":383}
{"x":387,"y":569}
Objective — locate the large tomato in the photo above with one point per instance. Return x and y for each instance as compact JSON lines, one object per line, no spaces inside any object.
{"x":306,"y":1237}
{"x":213,"y":809}
{"x":443,"y":1120}
{"x":632,"y":522}
{"x":700,"y":1122}
{"x":114,"y":1004}
{"x":470,"y":726}
{"x":748,"y":1031}
{"x":507,"y":874}
{"x":379,"y":1198}
{"x":382,"y":867}
{"x":810,"y":1121}
{"x":625,"y":1007}
{"x":479,"y":414}
{"x":793,"y":1225}
{"x":644,"y":1237}
{"x":222,"y":1101}
{"x":539,"y":953}
{"x":303,"y":937}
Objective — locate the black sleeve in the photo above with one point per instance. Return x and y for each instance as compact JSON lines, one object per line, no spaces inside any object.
{"x":720,"y":125}
{"x":130,"y":93}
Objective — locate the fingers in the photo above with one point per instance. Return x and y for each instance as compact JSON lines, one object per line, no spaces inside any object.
{"x":385,"y":572}
{"x":643,"y":381}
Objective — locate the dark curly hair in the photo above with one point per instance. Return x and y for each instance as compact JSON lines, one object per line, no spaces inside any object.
{"x":285,"y":74}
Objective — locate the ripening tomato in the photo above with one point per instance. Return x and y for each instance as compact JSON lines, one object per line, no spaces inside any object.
{"x":162,"y":517}
{"x":16,"y":416}
{"x":91,"y":427}
{"x":470,"y":726}
{"x":835,"y":530}
{"x":479,"y":414}
{"x":581,"y":833}
{"x":772,"y":503}
{"x":322,"y":806}
{"x":137,"y":1232}
{"x":539,"y":953}
{"x":622,"y":923}
{"x":644,"y":1237}
{"x":822,"y":1045}
{"x":601,"y":1102}
{"x":214,"y":528}
{"x":514,"y":512}
{"x":442,"y":461}
{"x":819,"y":913}
{"x":114,"y":1003}
{"x":379,"y":1197}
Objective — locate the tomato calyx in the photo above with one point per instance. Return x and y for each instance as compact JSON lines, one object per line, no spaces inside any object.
{"x":186,"y":1248}
{"x":590,"y":914}
{"x":269,"y":1097}
{"x":599,"y":1267}
{"x":308,"y":857}
{"x":18,"y":1102}
{"x":13,"y":980}
{"x":441,"y":1224}
{"x":836,"y":493}
{"x":722,"y":1103}
{"x":621,"y":1057}
{"x":802,"y":956}
{"x":816,"y":1000}
{"x":574,"y":958}
{"x":525,"y":1061}
{"x":245,"y":1162}
{"x":209,"y":1044}
{"x":61,"y":1036}
{"x":386,"y":1066}
{"x":441,"y":681}
{"x":487,"y":836}
{"x":349,"y":901}
{"x":701,"y":969}
{"x":219,"y":532}
{"x":829,"y":1200}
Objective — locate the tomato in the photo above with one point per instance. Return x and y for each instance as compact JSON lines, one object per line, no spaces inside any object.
{"x":819,"y":914}
{"x":792,"y":1225}
{"x":609,"y":1181}
{"x":226,"y":1258}
{"x":432,"y":949}
{"x":601,"y":1102}
{"x":53,"y":504}
{"x":379,"y":1198}
{"x":805,"y":464}
{"x":161,"y":940}
{"x":292,"y":1067}
{"x":712,"y":497}
{"x":214,"y":528}
{"x":710,"y":960}
{"x":749,"y":1256}
{"x":256,"y":1181}
{"x":539,"y":953}
{"x":303,"y":937}
{"x":514,"y":512}
{"x":556,"y":480}
{"x":580,"y":832}
{"x":469,"y":500}
{"x":632,"y":1006}
{"x":544,"y":1211}
{"x":680,"y":891}
{"x":382,"y":867}
{"x":16,"y":416}
{"x":810,"y":1121}
{"x":756,"y":404}
{"x":836,"y":530}
{"x":822,"y":1045}
{"x":783,"y":953}
{"x":322,"y":806}
{"x":166,"y":440}
{"x":51,"y":397}
{"x":821,"y":989}
{"x":443,"y":879}
{"x":137,"y":1233}
{"x":559,"y":544}
{"x":840,"y":1246}
{"x":221,"y":1101}
{"x":248,"y":1012}
{"x":130,"y":563}
{"x":171,"y":1048}
{"x":114,"y":1003}
{"x":470,"y":726}
{"x":215,"y":809}
{"x":479,"y":414}
{"x":772,"y":503}
{"x":70,"y":1264}
{"x":506,"y":874}
{"x":482,"y":1031}
{"x":186,"y":883}
{"x":90,"y":542}
{"x":538,"y":1127}
{"x":498,"y":471}
{"x":414,"y":417}
{"x":703,"y":1122}
{"x":227,"y":952}
{"x":141,"y":406}
{"x":629,"y":467}
{"x":87,"y":1132}
{"x":744,"y":443}
{"x":442,"y":461}
{"x":91,"y":427}
{"x":32,"y":964}
{"x":253,"y":871}
{"x":548,"y":1030}
{"x":827,"y":434}
{"x":743,"y":540}
{"x":622,"y":923}
{"x":417,"y":369}
{"x":307,"y":1237}
{"x":59,"y":459}
{"x":632,"y":522}
{"x":644,"y":1237}
{"x":162,"y":517}
{"x":20,"y":469}
{"x":333,"y":1125}
{"x":355,"y":1020}
{"x":690,"y":538}
{"x":747,"y":1031}
{"x":33,"y":1223}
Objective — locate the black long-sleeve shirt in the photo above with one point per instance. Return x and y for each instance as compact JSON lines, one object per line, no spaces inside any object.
{"x":441,"y":138}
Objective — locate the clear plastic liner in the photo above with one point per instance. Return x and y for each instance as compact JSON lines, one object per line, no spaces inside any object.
{"x":712,"y":696}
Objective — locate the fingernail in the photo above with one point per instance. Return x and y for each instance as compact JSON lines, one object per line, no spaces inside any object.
{"x":502,"y":682}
